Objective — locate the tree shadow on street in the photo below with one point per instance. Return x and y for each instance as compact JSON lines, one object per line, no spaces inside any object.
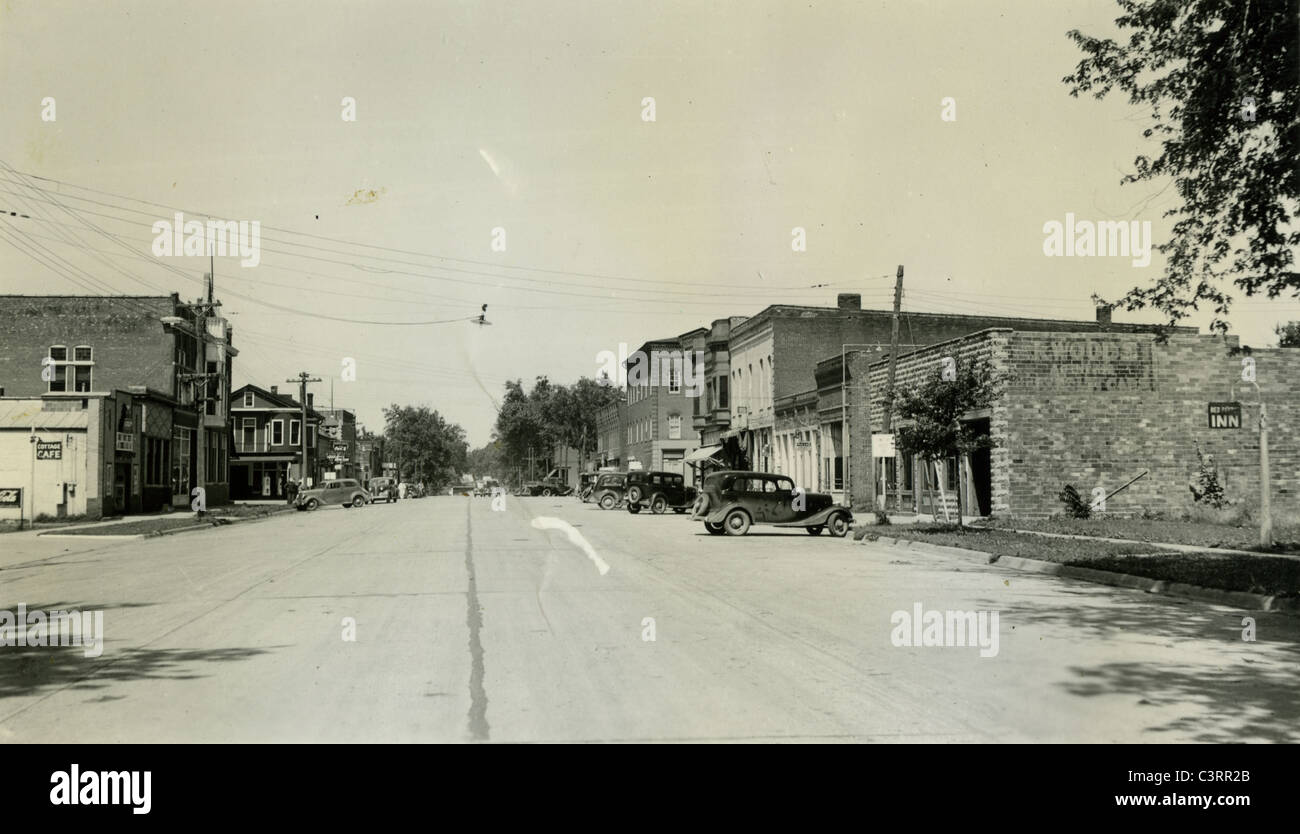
{"x":1233,"y":690}
{"x":31,"y":670}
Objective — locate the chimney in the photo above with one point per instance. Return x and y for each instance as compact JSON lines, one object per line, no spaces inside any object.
{"x":1103,"y":313}
{"x":848,"y":301}
{"x":275,"y":389}
{"x":310,"y":398}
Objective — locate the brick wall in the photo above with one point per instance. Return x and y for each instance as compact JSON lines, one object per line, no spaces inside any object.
{"x":130,"y":345}
{"x":1096,"y":409}
{"x":801,"y":341}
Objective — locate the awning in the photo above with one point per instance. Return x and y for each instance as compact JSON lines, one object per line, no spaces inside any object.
{"x":702,"y":453}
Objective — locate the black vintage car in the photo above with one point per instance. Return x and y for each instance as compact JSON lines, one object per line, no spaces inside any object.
{"x":607,"y":492}
{"x":659,"y":491}
{"x":546,"y":487}
{"x":731,"y":501}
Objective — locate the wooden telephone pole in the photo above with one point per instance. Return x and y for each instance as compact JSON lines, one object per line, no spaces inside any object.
{"x":302,"y":380}
{"x":888,"y":425}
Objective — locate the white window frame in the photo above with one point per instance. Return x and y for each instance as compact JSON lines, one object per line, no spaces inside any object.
{"x":674,"y":427}
{"x":295,"y":428}
{"x":248,"y":400}
{"x":277,"y":428}
{"x":55,"y":364}
{"x":248,"y":422}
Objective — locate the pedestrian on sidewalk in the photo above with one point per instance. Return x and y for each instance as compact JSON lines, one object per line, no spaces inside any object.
{"x":291,"y":489}
{"x":283,"y":484}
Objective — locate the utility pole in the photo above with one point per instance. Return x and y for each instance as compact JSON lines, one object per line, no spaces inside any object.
{"x":1265,"y":512}
{"x":302,"y":381}
{"x":893,"y":370}
{"x":202,"y":310}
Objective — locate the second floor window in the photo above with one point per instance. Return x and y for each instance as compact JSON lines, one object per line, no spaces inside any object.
{"x":70,"y":372}
{"x":295,"y":432}
{"x":248,"y":399}
{"x":277,"y":432}
{"x":675,"y":427}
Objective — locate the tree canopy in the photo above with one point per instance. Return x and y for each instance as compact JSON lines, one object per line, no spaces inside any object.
{"x":1221,"y":79}
{"x":550,"y":414}
{"x":428,"y":446}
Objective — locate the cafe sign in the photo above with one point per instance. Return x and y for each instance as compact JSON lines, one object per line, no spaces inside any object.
{"x":52,"y":450}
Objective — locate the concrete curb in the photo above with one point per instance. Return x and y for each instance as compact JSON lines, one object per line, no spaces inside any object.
{"x":216,"y":521}
{"x":1235,"y":599}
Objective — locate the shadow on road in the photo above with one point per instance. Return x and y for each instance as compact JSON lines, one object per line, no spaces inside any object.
{"x":1245,"y":691}
{"x":28,"y":671}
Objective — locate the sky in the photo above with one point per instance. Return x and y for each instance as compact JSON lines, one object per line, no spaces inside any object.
{"x":529,"y":118}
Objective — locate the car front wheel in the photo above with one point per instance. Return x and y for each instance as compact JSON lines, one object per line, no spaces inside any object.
{"x":714,"y":529}
{"x":658,"y":505}
{"x":607,"y":502}
{"x":358,"y":501}
{"x":839,"y":525}
{"x":312,"y":504}
{"x":736,"y":523}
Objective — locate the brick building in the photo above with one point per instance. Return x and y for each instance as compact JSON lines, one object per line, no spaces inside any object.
{"x":154,"y":370}
{"x":787,"y":406}
{"x":711,"y":413}
{"x":1095,"y":409}
{"x":611,"y":429}
{"x":657,"y":434}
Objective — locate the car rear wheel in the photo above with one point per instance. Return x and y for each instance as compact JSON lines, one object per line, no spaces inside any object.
{"x":815,"y":530}
{"x":546,"y":493}
{"x":658,"y":505}
{"x":312,"y":504}
{"x":839,"y":525}
{"x":714,"y":529}
{"x":736,"y":523}
{"x":607,"y":501}
{"x":358,"y":501}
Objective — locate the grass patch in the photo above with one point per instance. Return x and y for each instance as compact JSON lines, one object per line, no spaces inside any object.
{"x":1008,"y":543}
{"x":135,"y":528}
{"x":1197,"y":533}
{"x":1260,"y":574}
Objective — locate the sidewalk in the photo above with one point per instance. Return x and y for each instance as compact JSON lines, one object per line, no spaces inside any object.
{"x":161,"y":524}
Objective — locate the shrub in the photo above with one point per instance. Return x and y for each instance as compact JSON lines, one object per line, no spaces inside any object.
{"x":1075,"y":505}
{"x":1206,"y":489}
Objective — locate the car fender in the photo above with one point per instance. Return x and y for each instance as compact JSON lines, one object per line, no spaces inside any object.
{"x":716,"y":516}
{"x":822,"y":518}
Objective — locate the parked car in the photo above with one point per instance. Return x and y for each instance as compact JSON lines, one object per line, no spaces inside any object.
{"x":382,"y":489}
{"x":546,"y":487}
{"x":607,"y":492}
{"x":587,"y":485}
{"x":730,"y":501}
{"x":660,"y":491}
{"x":344,"y":491}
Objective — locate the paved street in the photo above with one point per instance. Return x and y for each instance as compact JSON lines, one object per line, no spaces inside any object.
{"x":474,"y":625}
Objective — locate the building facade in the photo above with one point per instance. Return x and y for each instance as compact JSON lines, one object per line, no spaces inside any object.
{"x":268,"y":432}
{"x":657,"y":432}
{"x":161,"y":366}
{"x":1097,"y":409}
